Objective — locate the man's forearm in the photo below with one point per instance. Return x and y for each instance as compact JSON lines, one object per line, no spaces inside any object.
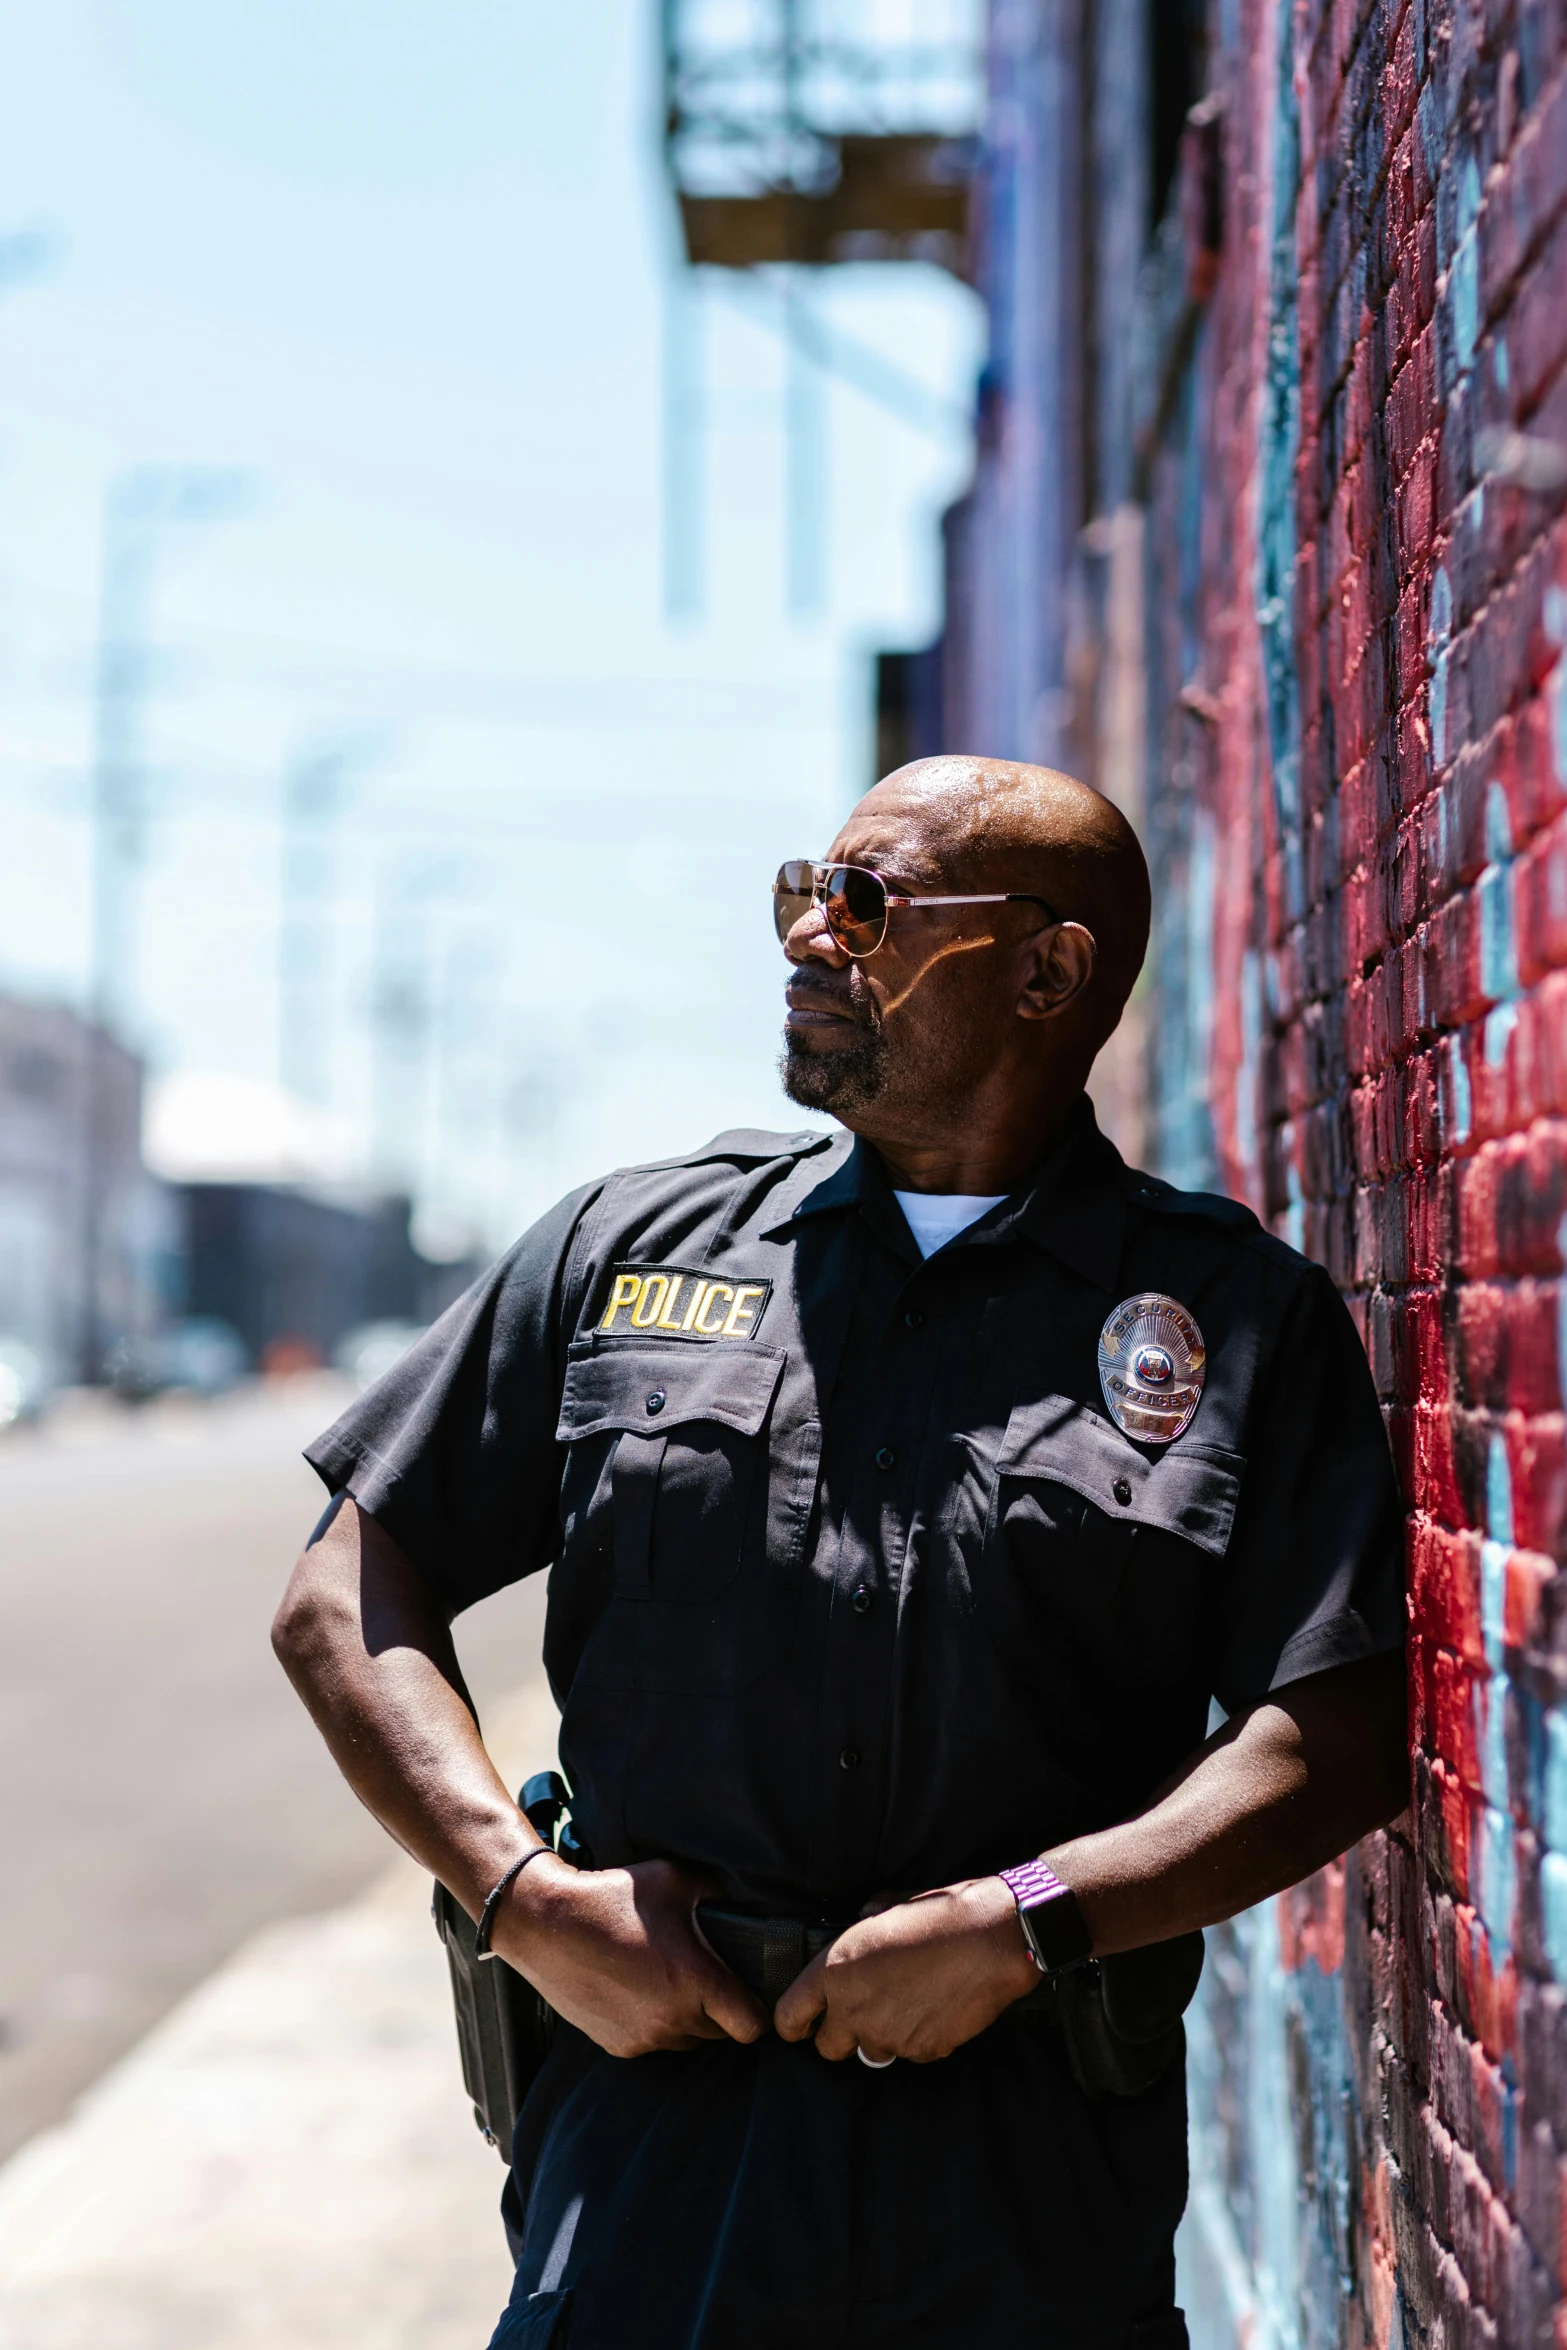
{"x":368,"y":1649}
{"x":614,"y":1950}
{"x":1267,"y":1800}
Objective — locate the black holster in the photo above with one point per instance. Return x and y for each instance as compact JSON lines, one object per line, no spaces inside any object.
{"x":505,"y":2028}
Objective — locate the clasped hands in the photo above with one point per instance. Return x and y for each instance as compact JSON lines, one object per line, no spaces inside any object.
{"x":619,"y":1953}
{"x":912,"y":1978}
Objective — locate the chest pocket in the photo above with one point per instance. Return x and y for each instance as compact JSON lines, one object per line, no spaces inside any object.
{"x":672,"y":1454}
{"x":1100,"y":1553}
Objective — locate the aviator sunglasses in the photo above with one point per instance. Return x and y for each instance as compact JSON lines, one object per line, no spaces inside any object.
{"x":856,"y":902}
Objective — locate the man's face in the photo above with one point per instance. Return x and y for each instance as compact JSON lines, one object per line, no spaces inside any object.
{"x":910,"y":1029}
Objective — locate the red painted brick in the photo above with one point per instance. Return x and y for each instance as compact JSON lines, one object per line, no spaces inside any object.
{"x":1507,"y":1351}
{"x":1537,"y":1452}
{"x":1413,"y":1078}
{"x":1524,"y":196}
{"x":1535,"y":324}
{"x":1541,"y":903}
{"x":1444,"y":1590}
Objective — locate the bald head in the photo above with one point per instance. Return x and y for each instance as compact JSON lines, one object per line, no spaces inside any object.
{"x":959,"y":1043}
{"x":982,"y":824}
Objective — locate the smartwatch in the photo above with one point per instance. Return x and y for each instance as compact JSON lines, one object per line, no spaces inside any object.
{"x":1055,"y":1932}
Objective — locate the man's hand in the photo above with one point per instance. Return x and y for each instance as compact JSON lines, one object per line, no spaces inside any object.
{"x":916,"y":1980}
{"x":617,"y":1952}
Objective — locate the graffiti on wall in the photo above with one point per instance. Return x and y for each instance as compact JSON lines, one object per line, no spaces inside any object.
{"x":1371,"y":728}
{"x":1316,"y":442}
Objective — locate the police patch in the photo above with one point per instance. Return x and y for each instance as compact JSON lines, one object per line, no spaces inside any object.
{"x":668,"y":1301}
{"x":1152,"y":1363}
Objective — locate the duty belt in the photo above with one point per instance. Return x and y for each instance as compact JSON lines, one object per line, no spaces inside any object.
{"x":1119,"y":2018}
{"x":766,"y":1953}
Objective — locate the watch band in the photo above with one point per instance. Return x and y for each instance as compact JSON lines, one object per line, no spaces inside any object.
{"x":1055,"y":1932}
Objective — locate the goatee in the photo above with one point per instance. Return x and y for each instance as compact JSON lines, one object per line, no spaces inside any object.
{"x":841,"y":1082}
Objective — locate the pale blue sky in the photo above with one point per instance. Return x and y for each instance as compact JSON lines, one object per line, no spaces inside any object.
{"x":405,"y":264}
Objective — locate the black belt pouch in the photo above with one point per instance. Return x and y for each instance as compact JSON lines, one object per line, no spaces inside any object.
{"x":1121,"y":2017}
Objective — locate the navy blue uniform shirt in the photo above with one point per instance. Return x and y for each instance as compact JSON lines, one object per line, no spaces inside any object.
{"x":856,"y":1587}
{"x":854,"y":1583}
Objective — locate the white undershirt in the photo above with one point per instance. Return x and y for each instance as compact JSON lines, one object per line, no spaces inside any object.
{"x":935,"y":1217}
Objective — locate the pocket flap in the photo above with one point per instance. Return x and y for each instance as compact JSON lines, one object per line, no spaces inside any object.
{"x":1186,"y":1492}
{"x":614,"y":1386}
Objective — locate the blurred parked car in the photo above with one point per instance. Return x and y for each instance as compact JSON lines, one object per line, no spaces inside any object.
{"x":365,"y":1353}
{"x":24,"y":1382}
{"x":199,"y":1354}
{"x":203,"y":1353}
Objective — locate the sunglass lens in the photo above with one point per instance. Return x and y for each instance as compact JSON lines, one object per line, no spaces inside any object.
{"x":855,"y":903}
{"x":791,"y":894}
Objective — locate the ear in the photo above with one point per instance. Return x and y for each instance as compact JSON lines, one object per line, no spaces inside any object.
{"x":1058,"y":967}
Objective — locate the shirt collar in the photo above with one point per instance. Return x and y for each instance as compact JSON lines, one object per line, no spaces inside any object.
{"x":1074,"y":1204}
{"x":830,"y":1178}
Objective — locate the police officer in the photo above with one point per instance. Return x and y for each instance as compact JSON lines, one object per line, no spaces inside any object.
{"x":909,"y":1494}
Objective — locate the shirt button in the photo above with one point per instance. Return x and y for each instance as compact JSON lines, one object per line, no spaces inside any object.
{"x":914,"y":1319}
{"x":657,"y":1400}
{"x":1122,"y":1491}
{"x":886,"y":1458}
{"x":863,"y":1601}
{"x":849,"y":1760}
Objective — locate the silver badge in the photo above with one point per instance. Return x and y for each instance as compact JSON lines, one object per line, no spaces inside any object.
{"x":1151,"y":1366}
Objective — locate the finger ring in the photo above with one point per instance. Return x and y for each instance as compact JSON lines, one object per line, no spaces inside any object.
{"x":877,"y":2064}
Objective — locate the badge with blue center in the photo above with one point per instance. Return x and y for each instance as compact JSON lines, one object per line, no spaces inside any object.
{"x":1152,"y":1362}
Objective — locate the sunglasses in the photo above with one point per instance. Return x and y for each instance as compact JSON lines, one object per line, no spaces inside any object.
{"x":856,"y":902}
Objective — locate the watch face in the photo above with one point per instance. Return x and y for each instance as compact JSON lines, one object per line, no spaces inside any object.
{"x":1056,"y":1929}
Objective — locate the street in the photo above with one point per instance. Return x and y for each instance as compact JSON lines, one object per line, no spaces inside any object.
{"x":165,"y":1793}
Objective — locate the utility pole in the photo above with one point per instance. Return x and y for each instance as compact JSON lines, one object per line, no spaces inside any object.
{"x":316,"y":789}
{"x":139,"y":506}
{"x":410,"y":1004}
{"x":401,"y":1015}
{"x":118,"y":810}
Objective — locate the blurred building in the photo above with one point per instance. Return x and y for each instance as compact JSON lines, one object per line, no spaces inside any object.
{"x":278,"y":1241}
{"x":908,"y":707}
{"x":294,"y":1268}
{"x":86,"y":1237}
{"x":98,"y":1252}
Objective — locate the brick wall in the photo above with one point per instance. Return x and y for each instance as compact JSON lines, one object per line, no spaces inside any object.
{"x":1374,"y":726}
{"x":1345,"y":443}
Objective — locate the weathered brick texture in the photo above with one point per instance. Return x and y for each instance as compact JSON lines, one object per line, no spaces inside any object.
{"x":1378,"y":428}
{"x":1337,"y":448}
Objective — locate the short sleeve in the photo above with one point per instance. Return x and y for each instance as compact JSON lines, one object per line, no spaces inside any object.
{"x":453,"y":1450}
{"x":1314,"y":1573}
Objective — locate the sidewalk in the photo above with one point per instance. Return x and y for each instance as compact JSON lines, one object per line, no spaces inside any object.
{"x":288,"y":2161}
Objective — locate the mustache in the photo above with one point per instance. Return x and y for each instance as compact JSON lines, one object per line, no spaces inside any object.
{"x":848,"y":998}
